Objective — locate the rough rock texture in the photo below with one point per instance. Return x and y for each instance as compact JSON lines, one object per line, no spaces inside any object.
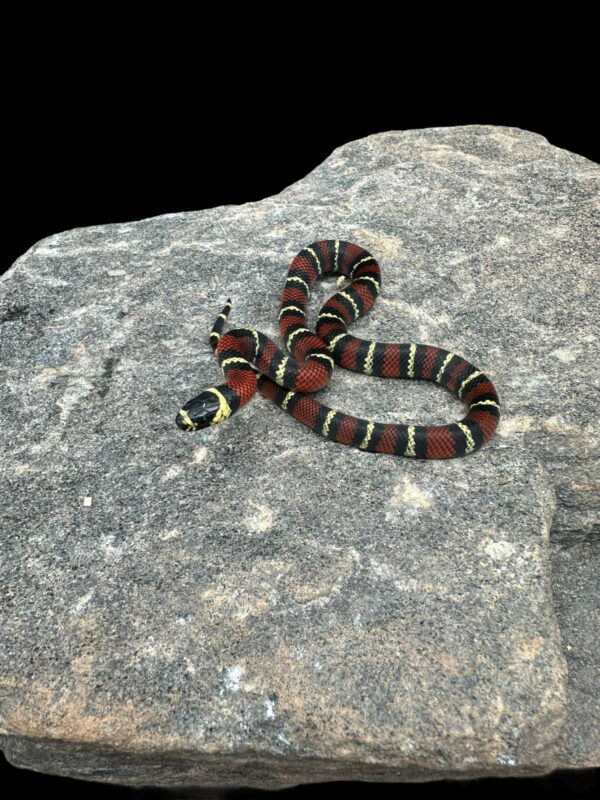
{"x":576,"y":584}
{"x":254,"y":605}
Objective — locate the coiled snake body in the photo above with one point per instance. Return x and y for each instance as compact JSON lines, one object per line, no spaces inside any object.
{"x":249,"y":359}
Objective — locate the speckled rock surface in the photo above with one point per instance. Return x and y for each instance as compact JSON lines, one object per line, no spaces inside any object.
{"x":254,"y":605}
{"x":576,"y":585}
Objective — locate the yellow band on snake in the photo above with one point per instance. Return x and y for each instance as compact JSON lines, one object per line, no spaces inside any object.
{"x":184,"y":415}
{"x":224,"y":410}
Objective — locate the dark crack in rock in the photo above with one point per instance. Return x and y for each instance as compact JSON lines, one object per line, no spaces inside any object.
{"x":252,"y":604}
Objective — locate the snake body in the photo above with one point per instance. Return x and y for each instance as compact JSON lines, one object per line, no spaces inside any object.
{"x":251,"y":360}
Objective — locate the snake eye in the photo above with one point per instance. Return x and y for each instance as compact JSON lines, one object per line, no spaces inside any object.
{"x":199,"y":412}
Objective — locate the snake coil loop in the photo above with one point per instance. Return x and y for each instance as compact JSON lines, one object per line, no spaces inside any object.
{"x":250,"y":360}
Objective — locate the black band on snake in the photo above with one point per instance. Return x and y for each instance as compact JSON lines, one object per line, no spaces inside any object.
{"x":250,"y":360}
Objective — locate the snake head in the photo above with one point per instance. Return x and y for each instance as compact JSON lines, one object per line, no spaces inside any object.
{"x":207,"y":408}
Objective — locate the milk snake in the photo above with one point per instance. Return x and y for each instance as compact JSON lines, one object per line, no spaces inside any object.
{"x":249,"y":359}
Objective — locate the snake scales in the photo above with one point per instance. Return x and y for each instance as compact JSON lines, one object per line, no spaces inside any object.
{"x":250,"y":360}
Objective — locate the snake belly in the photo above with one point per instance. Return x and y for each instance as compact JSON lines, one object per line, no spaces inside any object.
{"x":251,"y":360}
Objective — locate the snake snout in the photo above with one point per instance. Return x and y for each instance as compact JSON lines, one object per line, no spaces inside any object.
{"x":200,"y":412}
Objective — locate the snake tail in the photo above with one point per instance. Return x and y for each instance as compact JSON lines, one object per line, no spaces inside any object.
{"x":217,"y":329}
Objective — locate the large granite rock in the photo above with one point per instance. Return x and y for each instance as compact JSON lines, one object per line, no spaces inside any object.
{"x":254,"y":605}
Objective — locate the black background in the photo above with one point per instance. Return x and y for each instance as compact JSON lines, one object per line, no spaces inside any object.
{"x":125,"y":127}
{"x":113,"y":152}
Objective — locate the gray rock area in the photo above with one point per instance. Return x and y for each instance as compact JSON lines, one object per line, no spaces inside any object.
{"x":252,"y":605}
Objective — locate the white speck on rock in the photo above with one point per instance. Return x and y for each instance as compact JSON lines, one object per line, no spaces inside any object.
{"x":500,"y":551}
{"x":269,"y":708}
{"x":409,"y":498}
{"x":22,"y":468}
{"x":230,"y":679}
{"x":567,"y":354}
{"x":87,"y":502}
{"x":262,"y":521}
{"x":83,"y":601}
{"x":408,"y":585}
{"x":172,"y":472}
{"x":516,"y":425}
{"x":190,"y":668}
{"x":200,"y":455}
{"x":509,"y":761}
{"x":172,"y":534}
